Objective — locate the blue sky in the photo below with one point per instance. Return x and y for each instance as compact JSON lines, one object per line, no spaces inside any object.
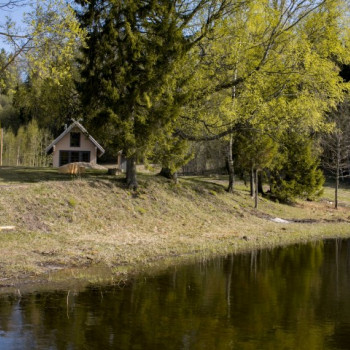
{"x":16,"y":15}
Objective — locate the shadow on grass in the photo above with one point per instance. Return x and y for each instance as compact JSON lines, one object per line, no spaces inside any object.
{"x":11,"y":175}
{"x":220,"y":181}
{"x":205,"y":183}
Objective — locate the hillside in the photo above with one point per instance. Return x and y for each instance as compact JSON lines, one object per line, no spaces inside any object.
{"x":64,"y":222}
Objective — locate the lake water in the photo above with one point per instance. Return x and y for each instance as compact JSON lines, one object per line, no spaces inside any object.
{"x":296,"y":297}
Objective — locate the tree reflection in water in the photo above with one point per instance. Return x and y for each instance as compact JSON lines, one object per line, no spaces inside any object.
{"x":296,"y":297}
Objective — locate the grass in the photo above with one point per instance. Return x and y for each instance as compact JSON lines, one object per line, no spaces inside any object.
{"x":69,"y":227}
{"x":27,"y":175}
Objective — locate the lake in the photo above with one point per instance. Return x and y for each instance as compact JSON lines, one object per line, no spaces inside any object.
{"x":296,"y":297}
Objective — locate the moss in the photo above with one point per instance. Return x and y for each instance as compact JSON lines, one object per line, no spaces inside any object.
{"x":141,"y":210}
{"x":72,"y":202}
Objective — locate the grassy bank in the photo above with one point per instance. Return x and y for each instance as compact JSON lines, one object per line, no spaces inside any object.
{"x":67,"y":222}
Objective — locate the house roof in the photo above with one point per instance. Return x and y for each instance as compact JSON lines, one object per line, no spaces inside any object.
{"x":83,"y":130}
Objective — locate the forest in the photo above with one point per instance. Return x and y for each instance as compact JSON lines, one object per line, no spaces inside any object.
{"x":262,"y":85}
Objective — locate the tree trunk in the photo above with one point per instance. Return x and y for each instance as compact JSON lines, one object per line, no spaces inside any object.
{"x":336,"y":193}
{"x":230,"y":168}
{"x":1,"y":144}
{"x":131,"y":181}
{"x":231,"y":177}
{"x":17,"y":161}
{"x":166,"y":172}
{"x":252,"y":191}
{"x":256,"y":188}
{"x":336,"y":186}
{"x":260,"y":184}
{"x":337,"y":175}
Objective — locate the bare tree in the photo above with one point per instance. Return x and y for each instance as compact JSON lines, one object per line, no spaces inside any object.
{"x":336,"y":146}
{"x":11,"y":4}
{"x":9,"y":33}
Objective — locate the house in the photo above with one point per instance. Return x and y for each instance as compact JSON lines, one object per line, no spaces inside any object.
{"x":75,"y":144}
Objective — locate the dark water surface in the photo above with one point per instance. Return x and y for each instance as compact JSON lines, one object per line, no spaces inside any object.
{"x":296,"y":297}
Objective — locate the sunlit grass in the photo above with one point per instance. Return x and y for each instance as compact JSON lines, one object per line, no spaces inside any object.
{"x":83,"y":222}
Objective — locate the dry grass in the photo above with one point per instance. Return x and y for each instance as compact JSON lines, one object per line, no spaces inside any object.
{"x":65,"y":222}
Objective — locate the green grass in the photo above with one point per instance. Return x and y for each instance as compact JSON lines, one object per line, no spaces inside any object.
{"x":26,"y":175}
{"x":82,"y":223}
{"x":343,"y":195}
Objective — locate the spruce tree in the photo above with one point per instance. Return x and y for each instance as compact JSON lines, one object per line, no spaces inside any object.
{"x":296,"y":173}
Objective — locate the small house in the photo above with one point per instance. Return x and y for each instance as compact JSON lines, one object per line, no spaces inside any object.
{"x":75,"y":144}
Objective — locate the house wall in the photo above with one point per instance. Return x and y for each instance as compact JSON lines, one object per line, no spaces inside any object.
{"x":64,"y":145}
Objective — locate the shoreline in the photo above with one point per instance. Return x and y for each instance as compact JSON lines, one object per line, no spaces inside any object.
{"x":78,"y":278}
{"x":67,"y":228}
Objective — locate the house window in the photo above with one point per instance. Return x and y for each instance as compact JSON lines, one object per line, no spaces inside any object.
{"x":74,"y":156}
{"x":75,"y":139}
{"x":85,"y":157}
{"x":64,"y":157}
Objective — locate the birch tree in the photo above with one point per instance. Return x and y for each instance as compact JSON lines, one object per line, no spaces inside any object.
{"x":46,"y":41}
{"x":281,"y":61}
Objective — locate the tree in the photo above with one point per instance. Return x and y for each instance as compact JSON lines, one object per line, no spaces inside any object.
{"x":296,"y":171}
{"x":49,"y":41}
{"x":52,"y":105}
{"x":8,"y":114}
{"x":9,"y":77}
{"x":37,"y":75}
{"x":279,"y":60}
{"x":27,"y":146}
{"x":9,"y":34}
{"x":171,"y":153}
{"x":336,"y":146}
{"x":133,"y":49}
{"x":254,"y":152}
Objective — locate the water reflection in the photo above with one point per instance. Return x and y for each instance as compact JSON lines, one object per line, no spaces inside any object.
{"x":286,"y":298}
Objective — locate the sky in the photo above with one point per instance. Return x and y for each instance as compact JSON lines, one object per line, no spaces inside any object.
{"x":16,"y":15}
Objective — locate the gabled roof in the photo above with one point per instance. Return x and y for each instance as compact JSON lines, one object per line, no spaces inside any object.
{"x":83,"y":130}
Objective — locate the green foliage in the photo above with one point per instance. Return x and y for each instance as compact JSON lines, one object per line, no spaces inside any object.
{"x":27,"y":147}
{"x":253,"y":149}
{"x":44,"y":50}
{"x":51,"y":105}
{"x":8,"y":114}
{"x":134,"y":50}
{"x":267,"y":71}
{"x":8,"y":77}
{"x":55,"y":36}
{"x":133,"y":93}
{"x":269,"y":67}
{"x":47,"y":40}
{"x":296,"y":170}
{"x":172,"y":153}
